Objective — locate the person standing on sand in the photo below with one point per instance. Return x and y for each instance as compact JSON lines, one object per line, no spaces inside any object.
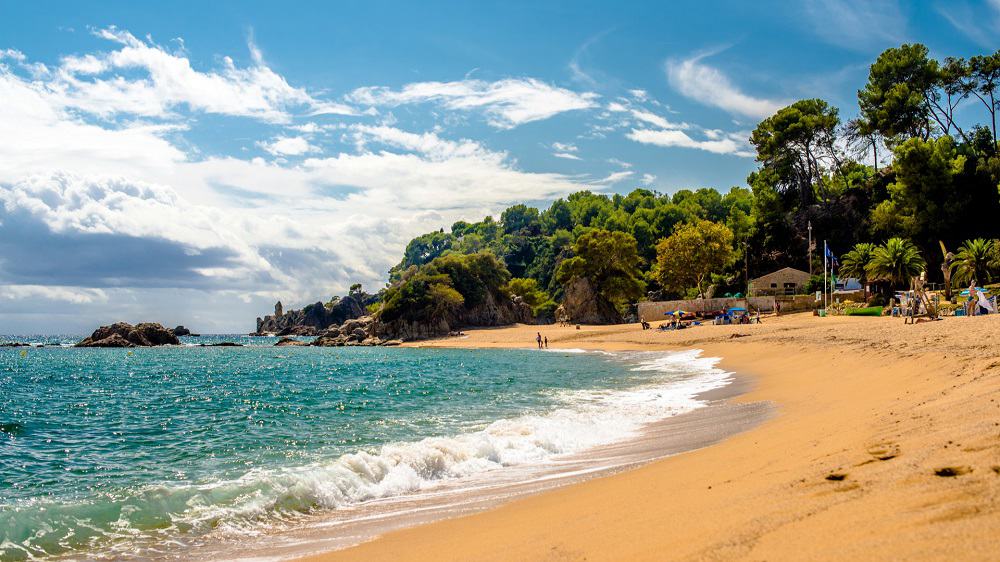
{"x":538,"y":339}
{"x":546,"y":342}
{"x":972,"y":302}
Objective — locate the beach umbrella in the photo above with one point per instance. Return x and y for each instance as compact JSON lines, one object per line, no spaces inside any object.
{"x":737,"y":309}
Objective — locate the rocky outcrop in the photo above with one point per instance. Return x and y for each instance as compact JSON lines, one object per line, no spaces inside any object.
{"x":181,"y":331}
{"x":583,"y":305}
{"x":123,"y":334}
{"x":357,"y":331}
{"x":313,"y":319}
{"x":492,"y":311}
{"x":290,"y":342}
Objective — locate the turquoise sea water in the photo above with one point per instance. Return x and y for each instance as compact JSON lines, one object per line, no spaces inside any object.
{"x":111,"y":453}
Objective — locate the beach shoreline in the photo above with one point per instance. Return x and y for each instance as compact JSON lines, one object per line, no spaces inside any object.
{"x":884,"y":435}
{"x":715,"y":418}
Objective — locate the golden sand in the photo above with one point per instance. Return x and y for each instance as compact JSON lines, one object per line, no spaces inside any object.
{"x":885,"y":446}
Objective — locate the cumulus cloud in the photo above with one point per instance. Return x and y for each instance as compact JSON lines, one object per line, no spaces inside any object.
{"x":506,"y":103}
{"x":288,"y":146}
{"x":705,"y":84}
{"x":103,"y":84}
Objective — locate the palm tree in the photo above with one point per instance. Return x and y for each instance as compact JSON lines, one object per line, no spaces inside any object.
{"x":895,"y":262}
{"x":855,"y":263}
{"x":974,"y":261}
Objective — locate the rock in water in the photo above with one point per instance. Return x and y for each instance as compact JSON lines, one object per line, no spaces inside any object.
{"x":289,"y":342}
{"x":123,"y":334}
{"x":181,"y":331}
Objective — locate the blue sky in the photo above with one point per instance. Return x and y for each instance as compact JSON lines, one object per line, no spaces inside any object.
{"x":192,"y":162}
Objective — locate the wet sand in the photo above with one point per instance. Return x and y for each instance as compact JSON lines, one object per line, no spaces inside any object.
{"x":884,"y":445}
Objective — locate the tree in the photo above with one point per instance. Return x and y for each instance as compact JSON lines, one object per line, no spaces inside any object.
{"x":527,"y":289}
{"x":895,"y":262}
{"x":796,"y":145}
{"x":520,"y":219}
{"x":692,"y":253}
{"x":855,"y":263}
{"x":862,"y":136}
{"x":983,"y":78}
{"x":974,"y":261}
{"x":896,"y":101}
{"x":940,"y":193}
{"x":610,"y":261}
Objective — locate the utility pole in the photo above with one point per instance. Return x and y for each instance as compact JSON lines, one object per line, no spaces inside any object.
{"x":810,"y":227}
{"x":746,"y":273}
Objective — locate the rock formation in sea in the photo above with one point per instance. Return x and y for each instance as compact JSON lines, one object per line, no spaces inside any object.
{"x":492,"y":311}
{"x":181,"y":331}
{"x":290,"y":342}
{"x":123,"y":334}
{"x":583,"y":305}
{"x":314,"y":318}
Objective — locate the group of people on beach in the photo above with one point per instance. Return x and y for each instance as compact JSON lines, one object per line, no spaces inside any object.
{"x":543,"y":342}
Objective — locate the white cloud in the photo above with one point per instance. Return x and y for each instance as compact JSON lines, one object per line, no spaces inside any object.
{"x":639,"y":95}
{"x":656,"y":120}
{"x":288,"y":231}
{"x":288,"y":146}
{"x":614,"y":177}
{"x":566,"y":156}
{"x":564,"y":147}
{"x":645,"y":116}
{"x":671,"y":138}
{"x":102,"y":84}
{"x":77,"y":295}
{"x":506,"y":103}
{"x":648,"y":179}
{"x":709,"y":86}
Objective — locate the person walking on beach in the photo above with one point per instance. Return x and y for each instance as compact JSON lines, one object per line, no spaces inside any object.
{"x":546,"y":342}
{"x":538,"y":339}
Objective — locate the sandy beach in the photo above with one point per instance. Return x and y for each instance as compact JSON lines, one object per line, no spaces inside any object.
{"x":884,"y":445}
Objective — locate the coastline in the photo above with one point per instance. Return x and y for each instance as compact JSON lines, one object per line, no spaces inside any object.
{"x":715,"y":419}
{"x":887,"y":407}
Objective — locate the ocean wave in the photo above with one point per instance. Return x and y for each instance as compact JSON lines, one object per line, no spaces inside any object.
{"x":581,"y":419}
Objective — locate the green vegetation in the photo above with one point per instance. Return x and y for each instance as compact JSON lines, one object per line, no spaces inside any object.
{"x":891,"y":187}
{"x":610,"y":261}
{"x":895,"y":262}
{"x":975,"y":261}
{"x":692,"y":253}
{"x":439,"y":289}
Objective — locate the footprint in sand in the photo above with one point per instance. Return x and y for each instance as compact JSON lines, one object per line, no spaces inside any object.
{"x":952,"y":471}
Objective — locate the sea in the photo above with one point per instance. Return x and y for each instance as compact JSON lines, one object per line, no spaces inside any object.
{"x":190,"y":452}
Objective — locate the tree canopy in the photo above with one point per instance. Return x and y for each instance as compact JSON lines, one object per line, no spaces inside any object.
{"x":692,"y":253}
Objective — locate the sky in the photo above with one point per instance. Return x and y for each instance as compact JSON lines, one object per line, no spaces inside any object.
{"x":193,"y":162}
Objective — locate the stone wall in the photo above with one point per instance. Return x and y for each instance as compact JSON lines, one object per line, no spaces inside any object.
{"x":656,"y":310}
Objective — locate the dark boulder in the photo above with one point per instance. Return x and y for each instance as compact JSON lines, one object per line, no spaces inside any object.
{"x":123,"y":334}
{"x":289,"y":342}
{"x":181,"y":331}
